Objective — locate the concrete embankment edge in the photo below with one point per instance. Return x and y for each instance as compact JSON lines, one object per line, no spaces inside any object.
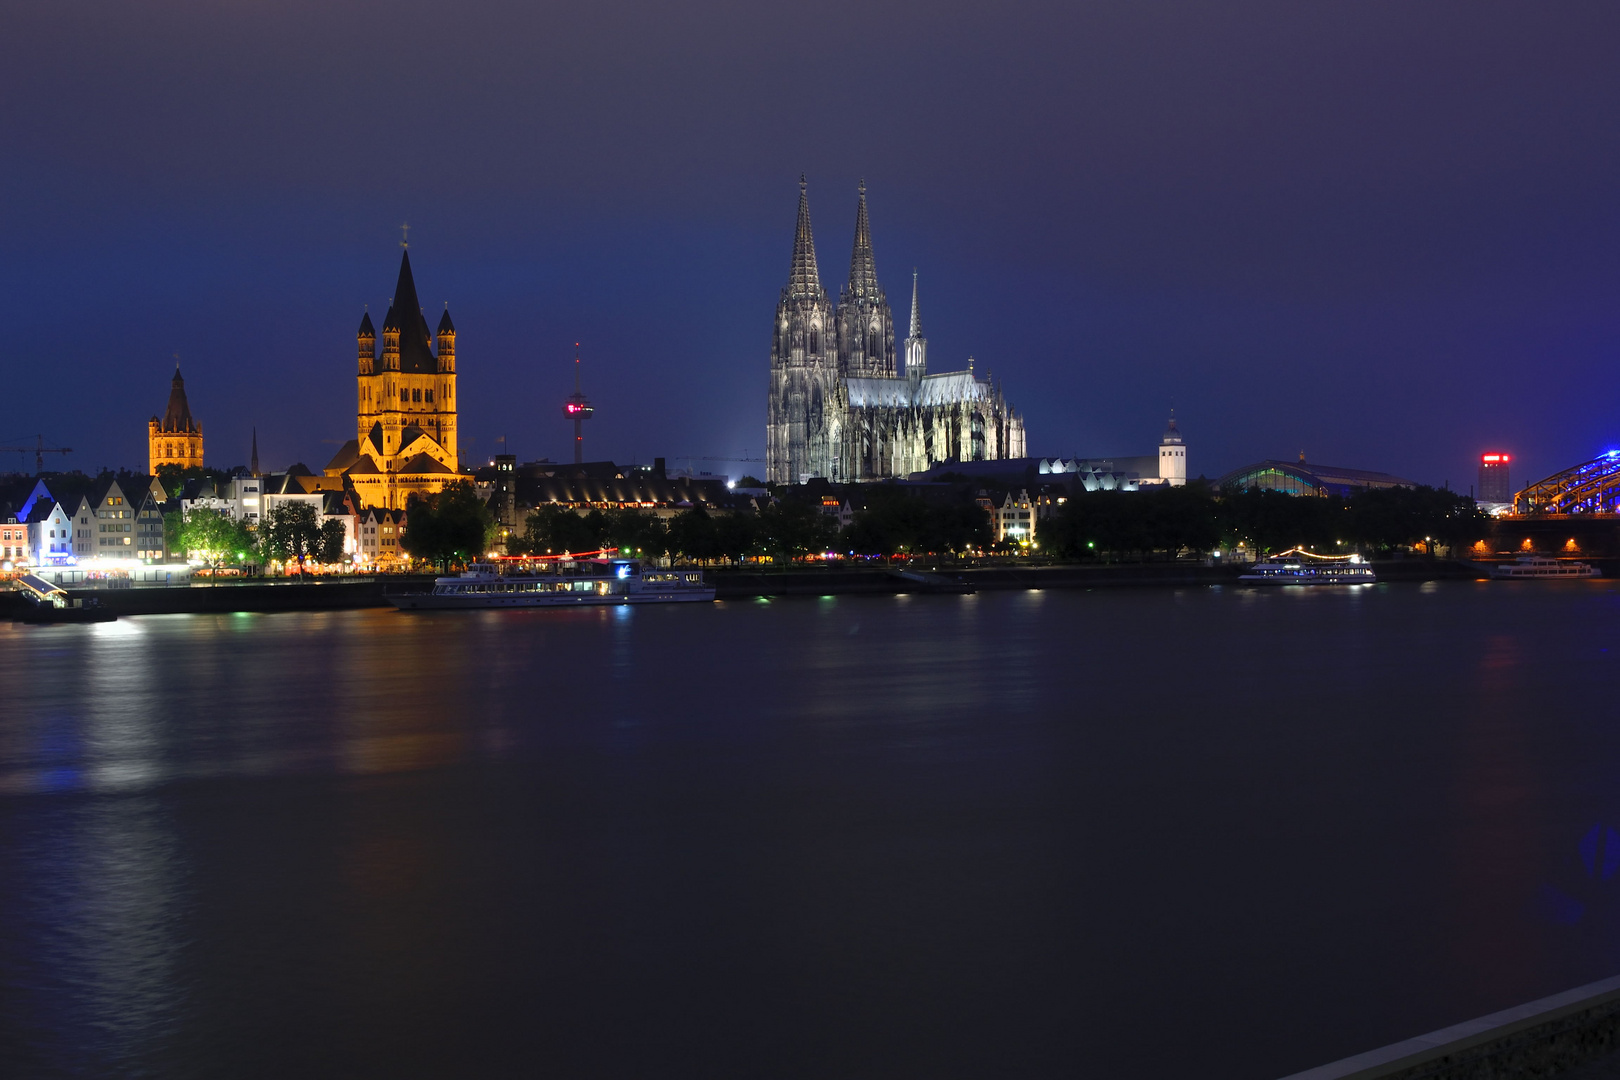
{"x":227,"y":598}
{"x":742,"y":584}
{"x":730,"y":584}
{"x":1540,"y":1038}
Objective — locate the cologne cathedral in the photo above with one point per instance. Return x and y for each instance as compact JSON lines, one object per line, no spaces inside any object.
{"x":405,"y":405}
{"x":840,"y":408}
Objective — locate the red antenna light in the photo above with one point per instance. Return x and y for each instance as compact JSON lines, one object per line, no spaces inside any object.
{"x":578,"y":409}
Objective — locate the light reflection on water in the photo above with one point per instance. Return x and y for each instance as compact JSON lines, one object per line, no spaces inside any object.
{"x":967,"y":833}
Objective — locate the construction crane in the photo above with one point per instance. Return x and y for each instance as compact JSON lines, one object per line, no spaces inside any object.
{"x":40,"y":450}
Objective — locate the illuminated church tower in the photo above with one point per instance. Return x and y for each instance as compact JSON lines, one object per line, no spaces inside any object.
{"x":177,"y":439}
{"x":803,"y":429}
{"x":405,"y":404}
{"x":865,"y":325}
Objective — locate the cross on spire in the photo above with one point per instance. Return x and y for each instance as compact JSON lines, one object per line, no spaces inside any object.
{"x":404,"y":234}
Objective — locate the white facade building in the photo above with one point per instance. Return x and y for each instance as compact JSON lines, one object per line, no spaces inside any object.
{"x":1172,"y":457}
{"x":1014,"y":520}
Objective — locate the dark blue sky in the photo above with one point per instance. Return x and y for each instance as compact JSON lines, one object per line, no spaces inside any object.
{"x":1388,"y":234}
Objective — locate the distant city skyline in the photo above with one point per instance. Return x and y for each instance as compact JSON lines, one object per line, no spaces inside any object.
{"x":1358,"y":231}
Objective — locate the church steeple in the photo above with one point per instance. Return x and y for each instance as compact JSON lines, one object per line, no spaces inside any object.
{"x":804,"y":281}
{"x":415,"y":343}
{"x":178,"y":415}
{"x":803,"y":365}
{"x":253,"y":462}
{"x":863,"y":283}
{"x":865,"y":324}
{"x":916,"y":344}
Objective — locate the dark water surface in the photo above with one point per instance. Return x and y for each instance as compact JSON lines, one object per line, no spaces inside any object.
{"x":1214,"y":833}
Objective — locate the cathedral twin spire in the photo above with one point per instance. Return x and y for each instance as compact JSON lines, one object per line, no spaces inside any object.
{"x":804,"y":282}
{"x":863,"y":282}
{"x":864,"y":326}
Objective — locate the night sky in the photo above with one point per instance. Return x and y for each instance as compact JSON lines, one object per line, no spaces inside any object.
{"x":1386,"y":234}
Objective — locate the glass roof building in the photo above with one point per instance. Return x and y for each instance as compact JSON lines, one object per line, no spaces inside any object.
{"x":1301,"y":478}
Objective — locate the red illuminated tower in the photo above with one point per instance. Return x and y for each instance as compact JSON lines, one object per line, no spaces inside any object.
{"x":578,"y":410}
{"x":1494,"y":485}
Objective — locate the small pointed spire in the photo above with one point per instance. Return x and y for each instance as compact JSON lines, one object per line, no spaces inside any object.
{"x":916,"y":317}
{"x":804,"y":280}
{"x":253,"y":464}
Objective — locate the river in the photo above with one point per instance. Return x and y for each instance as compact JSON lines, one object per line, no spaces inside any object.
{"x":1209,"y":832}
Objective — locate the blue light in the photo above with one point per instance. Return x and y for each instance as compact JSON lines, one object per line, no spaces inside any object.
{"x":624,"y":571}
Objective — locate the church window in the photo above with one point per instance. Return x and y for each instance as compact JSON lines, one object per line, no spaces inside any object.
{"x":427,"y":395}
{"x":416,"y":395}
{"x":815,"y":340}
{"x":404,"y":394}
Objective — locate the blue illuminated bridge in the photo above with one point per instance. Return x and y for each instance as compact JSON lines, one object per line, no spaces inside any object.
{"x":1592,"y":487}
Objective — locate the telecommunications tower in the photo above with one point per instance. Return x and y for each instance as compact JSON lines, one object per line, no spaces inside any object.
{"x":578,"y":409}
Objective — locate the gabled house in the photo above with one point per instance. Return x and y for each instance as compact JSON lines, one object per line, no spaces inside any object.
{"x":379,"y":534}
{"x":50,"y":534}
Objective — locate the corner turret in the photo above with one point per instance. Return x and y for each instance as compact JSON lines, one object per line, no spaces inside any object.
{"x":390,"y":341}
{"x":367,"y":339}
{"x":447,"y":343}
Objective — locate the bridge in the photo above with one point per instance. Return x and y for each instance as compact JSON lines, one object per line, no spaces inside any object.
{"x":1592,"y":487}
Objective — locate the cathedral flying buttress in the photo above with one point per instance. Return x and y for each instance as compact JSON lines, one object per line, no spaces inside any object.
{"x":840,"y":409}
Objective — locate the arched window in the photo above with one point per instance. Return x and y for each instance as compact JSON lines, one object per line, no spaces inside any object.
{"x":815,"y":340}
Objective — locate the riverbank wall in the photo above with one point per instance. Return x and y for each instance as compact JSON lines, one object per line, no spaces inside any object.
{"x":318,"y":595}
{"x":831,"y":581}
{"x":348,"y":593}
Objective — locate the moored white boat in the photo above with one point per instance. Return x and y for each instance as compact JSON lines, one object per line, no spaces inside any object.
{"x":568,"y":584}
{"x":1541,"y":566}
{"x":1297,"y":567}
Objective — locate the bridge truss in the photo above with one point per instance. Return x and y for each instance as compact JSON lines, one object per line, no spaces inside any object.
{"x":1592,"y":487}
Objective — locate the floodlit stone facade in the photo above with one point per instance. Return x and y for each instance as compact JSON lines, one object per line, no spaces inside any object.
{"x":405,"y":405}
{"x":838,"y":406}
{"x":177,"y":439}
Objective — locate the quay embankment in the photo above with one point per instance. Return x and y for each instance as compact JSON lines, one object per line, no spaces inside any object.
{"x":833,"y":581}
{"x":329,"y":594}
{"x":343,"y":593}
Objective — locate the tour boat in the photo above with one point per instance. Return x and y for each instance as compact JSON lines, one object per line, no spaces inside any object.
{"x":1298,"y":567}
{"x":567,"y":584}
{"x":1540,"y":566}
